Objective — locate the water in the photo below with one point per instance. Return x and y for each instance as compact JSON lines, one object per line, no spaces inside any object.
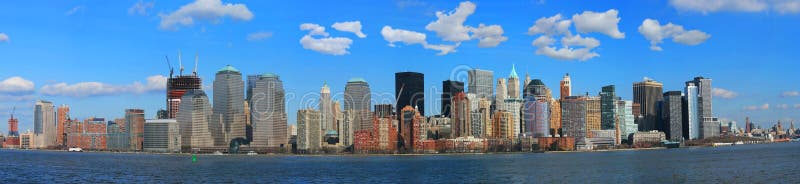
{"x":772,"y":163}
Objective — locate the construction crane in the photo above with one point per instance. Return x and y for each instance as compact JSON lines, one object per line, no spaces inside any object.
{"x":196,"y":58}
{"x":171,"y":71}
{"x":180,"y":62}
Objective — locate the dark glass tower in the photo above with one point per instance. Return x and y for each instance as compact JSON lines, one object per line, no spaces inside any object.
{"x":409,"y":89}
{"x":608,"y":98}
{"x":449,"y":89}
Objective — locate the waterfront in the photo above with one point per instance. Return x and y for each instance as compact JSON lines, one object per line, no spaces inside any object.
{"x":761,"y":163}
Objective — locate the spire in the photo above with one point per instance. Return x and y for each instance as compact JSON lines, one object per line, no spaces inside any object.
{"x":513,"y":72}
{"x":180,"y":62}
{"x":196,"y":58}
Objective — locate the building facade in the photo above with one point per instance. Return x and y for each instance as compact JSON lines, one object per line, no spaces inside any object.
{"x":44,"y":124}
{"x":228,"y":117}
{"x":672,"y":115}
{"x":409,"y":89}
{"x":194,"y":118}
{"x":162,"y":135}
{"x":481,"y":83}
{"x":608,"y":97}
{"x":566,"y":86}
{"x":449,"y":89}
{"x":134,"y":124}
{"x":648,"y":93}
{"x":268,"y":112}
{"x":357,"y":100}
{"x":309,"y":131}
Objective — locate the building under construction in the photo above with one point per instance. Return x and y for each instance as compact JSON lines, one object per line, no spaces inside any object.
{"x":178,"y":85}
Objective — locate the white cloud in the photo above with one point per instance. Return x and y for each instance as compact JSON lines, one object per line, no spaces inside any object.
{"x":314,"y":29}
{"x":410,"y":38}
{"x":74,"y":10}
{"x":787,"y":6}
{"x":656,"y":33}
{"x":258,"y":36}
{"x":352,"y":26}
{"x":723,"y":93}
{"x":577,"y":40}
{"x":450,"y":26}
{"x":551,"y":26}
{"x":140,"y":8}
{"x":154,"y":83}
{"x":329,"y":45}
{"x":17,"y":98}
{"x":16,"y":86}
{"x":583,"y":51}
{"x":3,"y":37}
{"x":782,"y":106}
{"x":488,"y":36}
{"x":708,"y":6}
{"x":210,"y":10}
{"x":605,"y":22}
{"x":790,"y":94}
{"x":755,"y":107}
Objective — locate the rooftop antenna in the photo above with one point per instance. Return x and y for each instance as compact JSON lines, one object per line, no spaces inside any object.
{"x":13,"y":109}
{"x":171,"y":71}
{"x":180,"y":62}
{"x":195,"y":63}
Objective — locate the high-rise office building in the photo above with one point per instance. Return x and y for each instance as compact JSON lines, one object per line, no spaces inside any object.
{"x":410,"y":120}
{"x":44,"y":124}
{"x":648,"y":93}
{"x":357,"y":99}
{"x":346,"y":128}
{"x":309,"y":130}
{"x":608,"y":97}
{"x":193,"y":118}
{"x":268,"y":112}
{"x":383,"y":110}
{"x":555,"y":116}
{"x":536,"y":89}
{"x":13,"y":126}
{"x":536,"y":114}
{"x":481,"y":83}
{"x":176,"y":87}
{"x":672,"y":115}
{"x":691,"y":116}
{"x":593,"y":114}
{"x":461,"y":115}
{"x":134,"y":123}
{"x":502,"y":94}
{"x":229,"y":115}
{"x":63,"y":117}
{"x":566,"y":86}
{"x":708,"y":127}
{"x":162,"y":135}
{"x":409,"y":89}
{"x":449,"y":89}
{"x":513,"y":84}
{"x":327,"y":116}
{"x":514,"y":107}
{"x":573,"y":117}
{"x":625,"y":118}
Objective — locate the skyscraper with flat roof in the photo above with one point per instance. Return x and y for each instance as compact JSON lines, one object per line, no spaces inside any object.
{"x":357,"y":100}
{"x":309,"y":131}
{"x":449,"y":89}
{"x":409,"y":89}
{"x":608,"y":97}
{"x":481,"y":83}
{"x":44,"y":124}
{"x":134,"y":123}
{"x":573,"y":117}
{"x":648,"y":93}
{"x":229,"y":116}
{"x":672,"y":115}
{"x":268,"y":112}
{"x":194,"y":121}
{"x":691,"y":116}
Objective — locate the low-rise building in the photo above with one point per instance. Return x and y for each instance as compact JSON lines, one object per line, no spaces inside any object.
{"x":162,"y":135}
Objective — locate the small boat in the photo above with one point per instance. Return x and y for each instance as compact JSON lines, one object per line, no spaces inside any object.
{"x":252,"y":153}
{"x":217,"y":153}
{"x":75,"y":149}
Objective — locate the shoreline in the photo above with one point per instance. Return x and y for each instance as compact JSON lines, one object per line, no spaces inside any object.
{"x":394,"y":154}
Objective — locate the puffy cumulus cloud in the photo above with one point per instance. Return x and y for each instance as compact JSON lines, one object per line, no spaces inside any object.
{"x":3,"y":37}
{"x":723,"y":93}
{"x":554,"y":25}
{"x":156,"y":83}
{"x":450,"y":26}
{"x":16,"y":86}
{"x":488,"y":36}
{"x":600,"y":22}
{"x":351,"y":26}
{"x":258,"y":36}
{"x":790,"y":94}
{"x":709,"y":6}
{"x":407,"y":37}
{"x":314,"y":29}
{"x":757,"y":107}
{"x":787,"y":6}
{"x":330,"y":45}
{"x":654,"y":32}
{"x":582,"y":53}
{"x":210,"y":10}
{"x":140,"y":8}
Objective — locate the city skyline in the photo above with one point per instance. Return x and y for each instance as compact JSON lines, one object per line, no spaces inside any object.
{"x":100,"y":81}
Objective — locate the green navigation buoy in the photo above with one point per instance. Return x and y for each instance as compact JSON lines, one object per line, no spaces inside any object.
{"x":194,"y":158}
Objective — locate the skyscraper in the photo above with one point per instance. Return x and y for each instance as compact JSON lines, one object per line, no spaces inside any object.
{"x":193,"y":118}
{"x":229,"y":115}
{"x":268,"y":111}
{"x":502,"y":94}
{"x":593,"y":114}
{"x":357,"y":99}
{"x":449,"y":89}
{"x":513,"y":84}
{"x":409,"y":89}
{"x":481,"y":83}
{"x":566,"y":86}
{"x":409,"y":117}
{"x":647,"y":93}
{"x":134,"y":124}
{"x":536,"y":115}
{"x":573,"y":117}
{"x":672,"y":115}
{"x":63,"y":117}
{"x":461,"y":115}
{"x":327,"y":116}
{"x":608,"y":97}
{"x":691,"y":116}
{"x":176,"y":87}
{"x":13,"y":126}
{"x":709,"y":125}
{"x":625,"y":118}
{"x":44,"y":124}
{"x":514,"y":106}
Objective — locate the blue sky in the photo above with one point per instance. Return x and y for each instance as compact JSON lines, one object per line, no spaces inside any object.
{"x":101,"y":57}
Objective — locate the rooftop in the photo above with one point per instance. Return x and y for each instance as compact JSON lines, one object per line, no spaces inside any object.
{"x":357,"y":79}
{"x":228,"y":68}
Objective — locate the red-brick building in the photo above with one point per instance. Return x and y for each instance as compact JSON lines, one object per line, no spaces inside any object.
{"x":89,"y":134}
{"x":382,"y":138}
